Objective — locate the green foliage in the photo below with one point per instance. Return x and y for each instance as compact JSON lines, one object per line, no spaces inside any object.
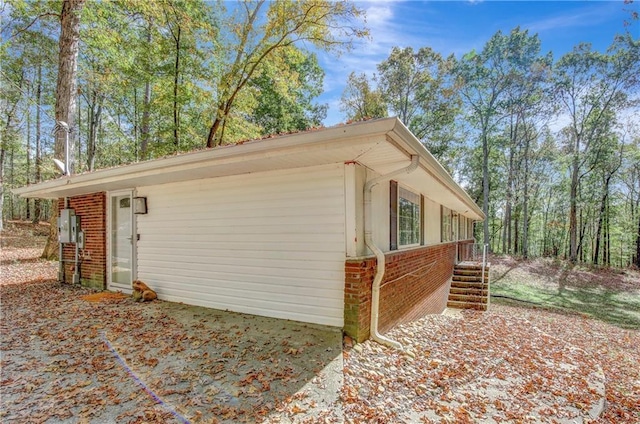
{"x":417,"y":88}
{"x":285,"y":89}
{"x":162,"y":77}
{"x":360,"y":101}
{"x":256,"y":36}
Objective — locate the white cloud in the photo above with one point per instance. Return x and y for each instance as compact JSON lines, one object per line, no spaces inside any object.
{"x":379,"y":13}
{"x":585,"y":18}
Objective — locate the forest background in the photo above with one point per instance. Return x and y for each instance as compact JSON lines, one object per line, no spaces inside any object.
{"x":170,"y":76}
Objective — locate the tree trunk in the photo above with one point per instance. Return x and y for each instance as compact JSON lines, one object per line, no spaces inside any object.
{"x":601,"y":221}
{"x":607,"y":238}
{"x":66,"y":92}
{"x":3,"y":153}
{"x":516,"y":237}
{"x":582,"y":231}
{"x":50,"y":251}
{"x":507,"y":240}
{"x":637,"y":263}
{"x":135,"y":122}
{"x":176,"y":78}
{"x":485,"y":185}
{"x":95,"y":113}
{"x":28,"y":179}
{"x":145,"y":124}
{"x":573,"y":208}
{"x":12,"y":182}
{"x":66,"y":88}
{"x":215,"y":133}
{"x":38,"y":147}
{"x":525,"y":201}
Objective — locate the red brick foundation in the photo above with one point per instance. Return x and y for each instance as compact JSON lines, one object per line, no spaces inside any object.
{"x":416,"y":283}
{"x":91,"y":209}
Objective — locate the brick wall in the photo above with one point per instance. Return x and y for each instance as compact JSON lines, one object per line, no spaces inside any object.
{"x":416,"y":283}
{"x":91,"y":209}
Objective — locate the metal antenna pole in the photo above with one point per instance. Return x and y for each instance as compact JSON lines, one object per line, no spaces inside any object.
{"x":66,"y":169}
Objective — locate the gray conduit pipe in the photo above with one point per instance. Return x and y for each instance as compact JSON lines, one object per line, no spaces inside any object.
{"x":380,"y":268}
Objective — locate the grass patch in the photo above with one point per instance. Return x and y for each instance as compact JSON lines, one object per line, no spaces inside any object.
{"x":607,"y":295}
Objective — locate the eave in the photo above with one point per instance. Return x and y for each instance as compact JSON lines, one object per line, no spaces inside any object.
{"x":380,"y":145}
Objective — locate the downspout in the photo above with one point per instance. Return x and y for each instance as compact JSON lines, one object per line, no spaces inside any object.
{"x":380,"y":268}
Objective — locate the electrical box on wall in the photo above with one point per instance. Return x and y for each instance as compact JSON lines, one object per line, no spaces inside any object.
{"x":75,"y":228}
{"x":65,"y":225}
{"x":80,"y":241}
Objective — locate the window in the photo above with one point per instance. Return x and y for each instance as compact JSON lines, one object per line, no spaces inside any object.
{"x":406,"y":220}
{"x":455,"y":227}
{"x":408,"y":217}
{"x":445,"y":217}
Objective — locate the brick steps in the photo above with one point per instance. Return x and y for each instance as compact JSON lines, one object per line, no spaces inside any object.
{"x":468,"y":290}
{"x":470,"y":278}
{"x":474,"y":291}
{"x":466,"y":305}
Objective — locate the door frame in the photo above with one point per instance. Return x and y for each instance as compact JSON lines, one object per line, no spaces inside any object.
{"x":109,"y":218}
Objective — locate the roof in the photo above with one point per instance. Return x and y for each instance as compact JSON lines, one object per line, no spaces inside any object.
{"x":382,"y":145}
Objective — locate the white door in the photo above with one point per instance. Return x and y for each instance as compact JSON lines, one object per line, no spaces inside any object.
{"x":121,"y":243}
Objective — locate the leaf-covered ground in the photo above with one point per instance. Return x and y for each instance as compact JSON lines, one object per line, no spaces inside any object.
{"x":69,"y":355}
{"x":610,"y":295}
{"x":507,"y":365}
{"x":21,"y":245}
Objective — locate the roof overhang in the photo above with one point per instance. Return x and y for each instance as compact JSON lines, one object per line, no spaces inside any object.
{"x":381,"y":145}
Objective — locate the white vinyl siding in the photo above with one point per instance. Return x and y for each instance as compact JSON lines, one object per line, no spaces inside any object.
{"x":270,"y":243}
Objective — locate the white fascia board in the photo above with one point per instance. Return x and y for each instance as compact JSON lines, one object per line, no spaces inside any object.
{"x":255,"y":149}
{"x":402,"y":135}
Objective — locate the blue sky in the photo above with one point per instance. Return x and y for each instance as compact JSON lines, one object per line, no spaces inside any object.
{"x":459,"y":26}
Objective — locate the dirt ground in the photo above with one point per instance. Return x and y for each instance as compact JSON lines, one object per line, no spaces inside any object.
{"x":71,"y":355}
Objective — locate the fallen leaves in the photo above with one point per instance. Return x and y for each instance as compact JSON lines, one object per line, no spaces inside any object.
{"x":501,"y":365}
{"x":54,"y":347}
{"x":104,"y":297}
{"x":505,"y":365}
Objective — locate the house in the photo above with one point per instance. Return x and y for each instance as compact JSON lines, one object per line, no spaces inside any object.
{"x":354,"y":226}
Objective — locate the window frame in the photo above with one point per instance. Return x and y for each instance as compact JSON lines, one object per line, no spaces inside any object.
{"x":455,"y":226}
{"x":395,"y":227}
{"x":446,"y":233}
{"x":418,"y":219}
